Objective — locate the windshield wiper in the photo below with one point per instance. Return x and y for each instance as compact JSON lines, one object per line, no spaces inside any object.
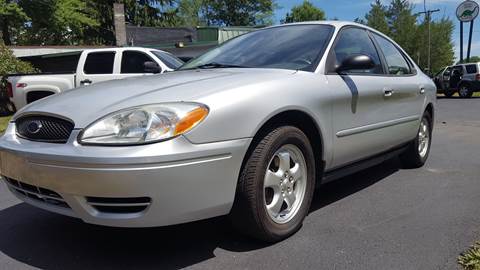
{"x":219,"y":65}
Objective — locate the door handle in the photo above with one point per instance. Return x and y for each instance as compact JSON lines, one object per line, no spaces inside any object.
{"x":86,"y":82}
{"x":387,"y":92}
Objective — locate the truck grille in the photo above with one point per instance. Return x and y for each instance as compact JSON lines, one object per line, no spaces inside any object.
{"x":36,"y":193}
{"x":44,"y":128}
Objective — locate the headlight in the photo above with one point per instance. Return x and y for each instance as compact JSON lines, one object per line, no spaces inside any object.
{"x":144,"y":124}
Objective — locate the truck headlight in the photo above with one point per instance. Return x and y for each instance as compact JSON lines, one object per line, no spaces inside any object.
{"x":144,"y":124}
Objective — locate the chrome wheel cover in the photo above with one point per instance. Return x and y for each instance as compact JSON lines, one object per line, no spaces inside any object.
{"x":423,"y":138}
{"x":285,"y":183}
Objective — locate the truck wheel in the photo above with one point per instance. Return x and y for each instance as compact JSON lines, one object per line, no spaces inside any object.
{"x":276,"y":185}
{"x":418,"y":150}
{"x":465,"y":92}
{"x":448,"y":93}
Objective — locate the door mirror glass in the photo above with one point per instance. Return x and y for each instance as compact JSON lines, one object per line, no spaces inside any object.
{"x":356,"y":62}
{"x":151,"y":67}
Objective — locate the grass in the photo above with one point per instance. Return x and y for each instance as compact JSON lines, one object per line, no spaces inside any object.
{"x":3,"y":123}
{"x":476,"y":94}
{"x":470,"y":259}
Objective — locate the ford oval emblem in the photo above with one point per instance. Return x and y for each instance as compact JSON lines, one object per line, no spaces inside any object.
{"x":34,"y":127}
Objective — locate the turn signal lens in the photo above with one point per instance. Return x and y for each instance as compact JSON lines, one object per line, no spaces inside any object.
{"x":190,"y":120}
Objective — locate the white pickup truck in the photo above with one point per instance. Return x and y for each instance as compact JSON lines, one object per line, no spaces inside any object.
{"x":95,"y":65}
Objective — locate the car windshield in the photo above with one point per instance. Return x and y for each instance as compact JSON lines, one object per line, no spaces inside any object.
{"x":295,"y":47}
{"x":168,"y":59}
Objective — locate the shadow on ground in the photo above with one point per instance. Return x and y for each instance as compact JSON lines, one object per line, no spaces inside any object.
{"x":49,"y":241}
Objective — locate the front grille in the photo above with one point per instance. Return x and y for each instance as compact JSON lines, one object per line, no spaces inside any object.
{"x":36,"y":193}
{"x":119,"y":205}
{"x":44,"y":128}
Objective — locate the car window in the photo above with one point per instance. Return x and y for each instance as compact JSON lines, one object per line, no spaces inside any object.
{"x":134,"y":62}
{"x":355,"y":41}
{"x":168,"y":59}
{"x":458,"y":70}
{"x":99,"y":63}
{"x":294,"y":47}
{"x":471,"y":68}
{"x":396,"y":62}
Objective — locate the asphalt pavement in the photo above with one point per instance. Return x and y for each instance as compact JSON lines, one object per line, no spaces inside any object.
{"x":381,"y":218}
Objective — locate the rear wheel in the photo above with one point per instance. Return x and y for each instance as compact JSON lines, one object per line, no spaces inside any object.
{"x":464,"y":91}
{"x":417,"y":152}
{"x":276,"y":186}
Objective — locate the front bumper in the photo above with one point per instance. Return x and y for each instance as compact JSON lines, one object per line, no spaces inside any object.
{"x":184,"y":181}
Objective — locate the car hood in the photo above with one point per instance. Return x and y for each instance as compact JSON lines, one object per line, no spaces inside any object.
{"x":84,"y":105}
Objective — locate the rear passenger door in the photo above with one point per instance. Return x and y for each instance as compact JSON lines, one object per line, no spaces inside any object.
{"x":360,"y":111}
{"x":406,"y":102}
{"x":97,"y":67}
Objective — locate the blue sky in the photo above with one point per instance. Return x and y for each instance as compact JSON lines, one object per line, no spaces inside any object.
{"x":351,"y":9}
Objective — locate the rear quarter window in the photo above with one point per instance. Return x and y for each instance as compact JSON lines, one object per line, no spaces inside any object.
{"x":471,"y":68}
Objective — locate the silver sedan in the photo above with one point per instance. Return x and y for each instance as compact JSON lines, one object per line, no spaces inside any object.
{"x":248,"y":129}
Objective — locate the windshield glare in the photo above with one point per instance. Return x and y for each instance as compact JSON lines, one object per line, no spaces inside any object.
{"x":295,"y":47}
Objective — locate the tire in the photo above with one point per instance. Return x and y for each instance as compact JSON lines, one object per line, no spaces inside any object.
{"x":261,"y":210}
{"x":448,"y":93}
{"x":464,"y":91}
{"x":415,"y":156}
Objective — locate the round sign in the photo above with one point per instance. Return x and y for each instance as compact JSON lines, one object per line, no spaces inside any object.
{"x":467,"y":11}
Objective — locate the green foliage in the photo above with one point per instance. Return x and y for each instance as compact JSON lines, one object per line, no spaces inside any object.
{"x":10,"y":64}
{"x":305,"y":12}
{"x":470,"y":260}
{"x":398,"y":21}
{"x":473,"y":59}
{"x":238,"y":12}
{"x":190,"y":12}
{"x":377,"y":17}
{"x":12,"y":17}
{"x":90,"y":22}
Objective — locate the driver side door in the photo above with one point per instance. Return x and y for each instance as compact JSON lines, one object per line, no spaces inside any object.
{"x":360,"y":113}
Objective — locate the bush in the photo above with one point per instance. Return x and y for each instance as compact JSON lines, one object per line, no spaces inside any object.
{"x":470,"y":259}
{"x":9,"y":64}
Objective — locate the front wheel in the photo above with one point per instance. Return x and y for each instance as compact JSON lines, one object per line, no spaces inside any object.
{"x":448,"y":93}
{"x":276,"y":185}
{"x":417,"y":152}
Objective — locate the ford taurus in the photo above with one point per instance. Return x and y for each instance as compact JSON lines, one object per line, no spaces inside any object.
{"x":247,"y":130}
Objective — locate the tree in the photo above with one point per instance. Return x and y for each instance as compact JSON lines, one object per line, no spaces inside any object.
{"x":191,"y":12}
{"x":376,"y":17}
{"x":473,"y":59}
{"x":442,"y":53}
{"x":402,"y":24}
{"x":11,"y":18}
{"x":398,"y":21}
{"x":304,"y":12}
{"x":238,"y":12}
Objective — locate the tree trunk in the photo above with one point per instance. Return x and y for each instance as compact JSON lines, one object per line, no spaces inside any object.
{"x":5,"y":32}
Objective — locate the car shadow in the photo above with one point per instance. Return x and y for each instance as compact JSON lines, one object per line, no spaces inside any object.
{"x":50,"y":241}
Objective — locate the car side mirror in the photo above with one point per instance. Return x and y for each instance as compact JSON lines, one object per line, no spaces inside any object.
{"x":356,"y":62}
{"x":151,"y":67}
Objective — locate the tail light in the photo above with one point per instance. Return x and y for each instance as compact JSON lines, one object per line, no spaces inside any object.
{"x":9,"y":89}
{"x":477,"y":77}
